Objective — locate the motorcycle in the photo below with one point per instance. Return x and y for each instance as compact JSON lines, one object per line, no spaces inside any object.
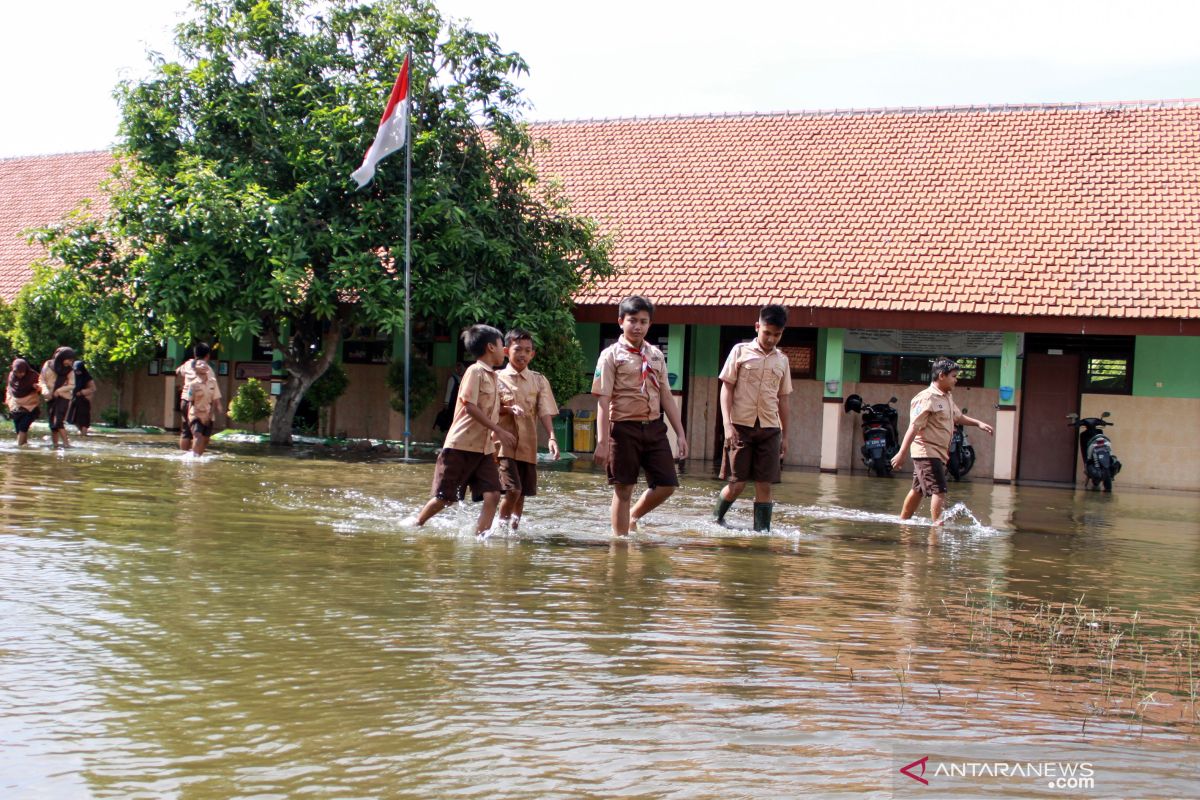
{"x":1099,"y":463}
{"x":880,"y":440}
{"x":962,"y":454}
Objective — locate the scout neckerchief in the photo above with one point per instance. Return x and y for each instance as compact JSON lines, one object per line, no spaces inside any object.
{"x":647,"y":372}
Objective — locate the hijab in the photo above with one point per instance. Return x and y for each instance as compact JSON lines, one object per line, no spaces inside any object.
{"x":23,"y":385}
{"x":63,"y":363}
{"x":82,"y":377}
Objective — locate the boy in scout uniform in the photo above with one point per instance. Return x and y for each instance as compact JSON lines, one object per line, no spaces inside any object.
{"x":932,"y":417}
{"x":530,"y":391}
{"x":632,"y":393}
{"x":467,"y":460}
{"x":755,"y":383}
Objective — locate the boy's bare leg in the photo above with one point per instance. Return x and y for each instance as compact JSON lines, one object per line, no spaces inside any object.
{"x":650,"y":500}
{"x":22,"y":438}
{"x":487,"y":513}
{"x":434,"y":505}
{"x":936,"y":503}
{"x":510,"y":506}
{"x":200,"y":445}
{"x":762,"y":492}
{"x":622,"y":493}
{"x":732,"y":491}
{"x":911,"y":501}
{"x":185,"y":442}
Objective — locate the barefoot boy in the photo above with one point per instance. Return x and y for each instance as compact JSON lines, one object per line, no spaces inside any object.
{"x":755,"y":383}
{"x":203,"y":396}
{"x":932,"y":418}
{"x":466,"y":459}
{"x":632,"y":394}
{"x":530,"y":391}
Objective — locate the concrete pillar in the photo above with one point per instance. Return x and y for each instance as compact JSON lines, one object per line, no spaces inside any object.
{"x":1005,"y":468}
{"x":831,"y":407}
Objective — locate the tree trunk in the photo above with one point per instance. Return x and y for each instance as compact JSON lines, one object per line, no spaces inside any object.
{"x":301,"y":374}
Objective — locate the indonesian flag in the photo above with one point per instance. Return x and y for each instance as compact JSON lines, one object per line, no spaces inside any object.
{"x":393,"y":129}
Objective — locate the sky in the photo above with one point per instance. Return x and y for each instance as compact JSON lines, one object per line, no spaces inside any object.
{"x":623,"y":58}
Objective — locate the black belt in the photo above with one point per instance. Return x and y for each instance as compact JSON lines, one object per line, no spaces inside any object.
{"x":642,"y":422}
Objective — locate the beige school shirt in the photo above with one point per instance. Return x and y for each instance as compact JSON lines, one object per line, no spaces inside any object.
{"x":531,"y":391}
{"x":757,"y":379}
{"x":50,"y":377}
{"x":481,"y":387}
{"x":619,"y":375}
{"x":933,"y":414}
{"x":201,"y":391}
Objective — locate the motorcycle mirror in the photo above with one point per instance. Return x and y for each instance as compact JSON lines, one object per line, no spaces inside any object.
{"x":1072,"y":417}
{"x":1105,"y":415}
{"x":892,"y":400}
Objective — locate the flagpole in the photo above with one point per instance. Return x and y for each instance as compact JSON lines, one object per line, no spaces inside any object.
{"x":407,"y":271}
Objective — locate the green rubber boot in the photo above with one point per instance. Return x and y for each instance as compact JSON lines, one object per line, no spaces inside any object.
{"x":762,"y":516}
{"x":723,"y":506}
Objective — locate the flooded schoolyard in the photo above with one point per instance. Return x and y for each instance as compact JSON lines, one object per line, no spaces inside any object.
{"x":261,"y":625}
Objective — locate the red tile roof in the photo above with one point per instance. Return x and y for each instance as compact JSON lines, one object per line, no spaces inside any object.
{"x":1059,"y":211}
{"x":36,"y":191}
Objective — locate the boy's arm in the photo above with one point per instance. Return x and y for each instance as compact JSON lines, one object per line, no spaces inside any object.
{"x":672,"y":412}
{"x":603,"y":443}
{"x":731,"y":434}
{"x":783,"y":424}
{"x":476,"y":413}
{"x":963,"y":419}
{"x":548,"y":424}
{"x":909,"y":435}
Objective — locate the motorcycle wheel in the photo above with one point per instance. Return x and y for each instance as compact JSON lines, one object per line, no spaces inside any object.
{"x":881,"y":467}
{"x":1107,"y":480}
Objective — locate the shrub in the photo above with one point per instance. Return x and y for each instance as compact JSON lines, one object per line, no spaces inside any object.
{"x":421,"y":391}
{"x":116,"y":417}
{"x":251,"y":404}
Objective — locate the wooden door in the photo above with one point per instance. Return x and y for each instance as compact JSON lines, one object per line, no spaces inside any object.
{"x":1049,"y":391}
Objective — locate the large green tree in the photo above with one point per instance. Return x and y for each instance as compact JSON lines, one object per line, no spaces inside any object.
{"x":236,"y":214}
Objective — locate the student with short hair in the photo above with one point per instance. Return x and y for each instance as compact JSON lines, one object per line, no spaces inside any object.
{"x":530,"y":391}
{"x":22,"y":397}
{"x":931,"y":420}
{"x":200,"y":400}
{"x":467,"y":458}
{"x":58,"y":387}
{"x":633,"y":392}
{"x":755,"y":383}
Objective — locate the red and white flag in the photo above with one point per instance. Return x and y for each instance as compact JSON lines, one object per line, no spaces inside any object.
{"x":393,"y":129}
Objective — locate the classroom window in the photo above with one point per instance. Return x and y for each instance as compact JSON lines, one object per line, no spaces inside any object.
{"x":1106,"y":375}
{"x":886,"y":368}
{"x":802,"y":358}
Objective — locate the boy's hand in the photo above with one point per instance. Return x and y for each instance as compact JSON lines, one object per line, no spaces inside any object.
{"x":782,"y":447}
{"x":554,"y":449}
{"x":681,"y":441}
{"x":516,"y":410}
{"x":898,"y":460}
{"x":986,"y":428}
{"x":507,"y":439}
{"x":600,"y":457}
{"x":731,"y":435}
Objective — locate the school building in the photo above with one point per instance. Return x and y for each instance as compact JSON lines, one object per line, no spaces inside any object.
{"x":1053,"y":249}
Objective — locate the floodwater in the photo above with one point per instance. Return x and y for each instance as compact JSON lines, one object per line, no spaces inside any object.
{"x":261,"y":625}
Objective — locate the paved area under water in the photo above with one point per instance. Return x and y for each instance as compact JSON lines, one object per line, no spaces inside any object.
{"x":260,"y":624}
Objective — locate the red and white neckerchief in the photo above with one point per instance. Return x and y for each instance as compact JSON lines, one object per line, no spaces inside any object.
{"x":647,"y":372}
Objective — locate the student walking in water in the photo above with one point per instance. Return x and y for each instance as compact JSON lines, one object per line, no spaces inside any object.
{"x":58,"y":387}
{"x":22,"y":397}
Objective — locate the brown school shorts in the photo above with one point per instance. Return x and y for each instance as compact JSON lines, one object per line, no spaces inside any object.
{"x":518,"y":476}
{"x":755,"y":456}
{"x":641,"y":446}
{"x":463,"y":468}
{"x":929,"y":476}
{"x":197,"y":428}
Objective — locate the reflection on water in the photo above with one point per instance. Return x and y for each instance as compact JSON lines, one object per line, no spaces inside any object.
{"x":251,"y":624}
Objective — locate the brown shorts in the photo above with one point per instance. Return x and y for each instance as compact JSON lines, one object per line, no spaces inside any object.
{"x":755,"y":456}
{"x":464,"y":469}
{"x":929,"y":476}
{"x":197,"y":428}
{"x":518,"y":476}
{"x":641,"y":445}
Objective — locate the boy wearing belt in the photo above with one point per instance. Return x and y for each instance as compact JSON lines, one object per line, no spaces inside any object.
{"x":530,"y":391}
{"x":755,"y":383}
{"x":632,"y":393}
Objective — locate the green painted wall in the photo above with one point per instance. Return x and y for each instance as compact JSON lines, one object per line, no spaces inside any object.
{"x":1166,"y":366}
{"x":834,"y":356}
{"x":706,"y":361}
{"x":588,"y":334}
{"x":444,"y":353}
{"x":676,"y":338}
{"x":991,"y":373}
{"x":238,"y":349}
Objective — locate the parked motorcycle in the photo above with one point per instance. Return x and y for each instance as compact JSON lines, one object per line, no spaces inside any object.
{"x":880,"y":440}
{"x":1099,"y":463}
{"x":962,"y":454}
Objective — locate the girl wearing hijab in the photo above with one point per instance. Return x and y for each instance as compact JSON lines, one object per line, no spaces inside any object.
{"x":22,"y":398}
{"x":58,"y":387}
{"x":80,"y":414}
